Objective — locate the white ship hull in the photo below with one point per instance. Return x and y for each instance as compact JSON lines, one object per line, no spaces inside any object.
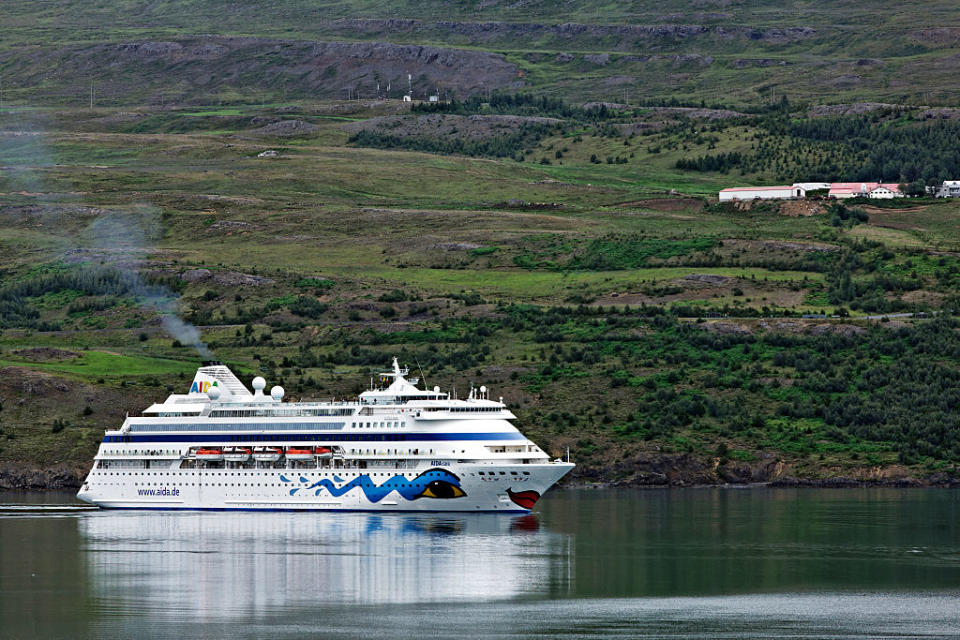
{"x":501,"y":488}
{"x":394,"y":449}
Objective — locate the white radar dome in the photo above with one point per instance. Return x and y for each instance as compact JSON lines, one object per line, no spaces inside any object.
{"x":436,"y":389}
{"x":259,"y":384}
{"x":276,"y":393}
{"x":213,"y":393}
{"x":483,"y":389}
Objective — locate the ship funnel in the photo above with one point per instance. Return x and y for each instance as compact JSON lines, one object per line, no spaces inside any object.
{"x":220,"y":376}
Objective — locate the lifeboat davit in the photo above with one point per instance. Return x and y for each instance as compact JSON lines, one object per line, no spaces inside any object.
{"x":209,"y":455}
{"x":299,"y":454}
{"x":323,"y":453}
{"x":266,"y":454}
{"x":236,"y":454}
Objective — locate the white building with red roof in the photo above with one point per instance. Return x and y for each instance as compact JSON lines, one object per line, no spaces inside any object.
{"x":882,"y":190}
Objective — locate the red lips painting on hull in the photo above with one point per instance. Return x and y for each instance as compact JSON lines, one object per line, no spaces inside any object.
{"x":525,"y":499}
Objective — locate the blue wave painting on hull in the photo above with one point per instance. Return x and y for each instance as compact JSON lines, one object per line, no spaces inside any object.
{"x":435,"y":483}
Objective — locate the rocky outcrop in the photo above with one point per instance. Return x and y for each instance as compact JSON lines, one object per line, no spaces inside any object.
{"x":654,"y":469}
{"x":285,"y":129}
{"x":33,"y":479}
{"x":681,"y":469}
{"x":226,"y":278}
{"x":202,"y":66}
{"x":439,"y":126}
{"x":616,"y":37}
{"x":856,"y":108}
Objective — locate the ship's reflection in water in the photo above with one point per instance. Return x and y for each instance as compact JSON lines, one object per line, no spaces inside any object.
{"x":220,"y":565}
{"x":590,"y":565}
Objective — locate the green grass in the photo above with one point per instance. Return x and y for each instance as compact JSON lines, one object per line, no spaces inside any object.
{"x":102,"y":364}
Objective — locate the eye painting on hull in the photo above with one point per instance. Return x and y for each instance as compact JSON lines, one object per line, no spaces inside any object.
{"x":435,"y":483}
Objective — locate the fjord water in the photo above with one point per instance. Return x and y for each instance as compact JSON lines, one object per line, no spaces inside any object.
{"x":702,"y":563}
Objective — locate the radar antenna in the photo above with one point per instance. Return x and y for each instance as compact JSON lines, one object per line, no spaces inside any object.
{"x":422,"y":377}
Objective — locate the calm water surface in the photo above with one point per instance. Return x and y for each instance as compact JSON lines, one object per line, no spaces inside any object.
{"x":708,"y":563}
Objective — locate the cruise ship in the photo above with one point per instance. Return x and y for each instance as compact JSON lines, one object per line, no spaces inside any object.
{"x":396,"y":448}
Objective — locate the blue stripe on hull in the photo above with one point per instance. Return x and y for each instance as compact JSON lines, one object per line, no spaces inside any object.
{"x":394,"y":511}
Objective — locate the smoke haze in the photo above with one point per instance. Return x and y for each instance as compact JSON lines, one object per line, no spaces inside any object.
{"x":120,"y":239}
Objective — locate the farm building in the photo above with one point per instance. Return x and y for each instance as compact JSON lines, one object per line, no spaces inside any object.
{"x":882,"y":190}
{"x":762,"y":193}
{"x":949,"y":189}
{"x":813,"y":186}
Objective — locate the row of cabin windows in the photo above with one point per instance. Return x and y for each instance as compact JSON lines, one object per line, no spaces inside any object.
{"x":281,"y":412}
{"x":156,"y":427}
{"x":389,"y":424}
{"x":294,"y":437}
{"x":233,"y":426}
{"x":464,"y":409}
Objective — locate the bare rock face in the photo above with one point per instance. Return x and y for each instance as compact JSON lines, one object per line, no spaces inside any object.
{"x":847,"y":330}
{"x":234,"y":279}
{"x":225,"y":278}
{"x":286,"y":129}
{"x":319,"y":69}
{"x":196,"y":275}
{"x":456,"y":246}
{"x":231,"y":225}
{"x":13,"y":477}
{"x":708,"y":278}
{"x":601,"y":59}
{"x":726,"y":328}
{"x":856,"y":108}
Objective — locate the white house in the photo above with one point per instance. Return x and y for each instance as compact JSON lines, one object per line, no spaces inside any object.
{"x":881,"y":190}
{"x":949,"y":189}
{"x":884,"y":192}
{"x":762,"y":193}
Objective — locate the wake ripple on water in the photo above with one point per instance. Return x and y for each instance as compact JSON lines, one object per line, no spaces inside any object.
{"x":44,"y":508}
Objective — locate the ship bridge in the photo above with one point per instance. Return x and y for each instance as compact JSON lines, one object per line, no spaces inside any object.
{"x":400,"y":390}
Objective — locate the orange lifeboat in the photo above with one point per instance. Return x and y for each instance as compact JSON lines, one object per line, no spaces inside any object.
{"x":267,"y":454}
{"x":295,"y":453}
{"x":236,"y":454}
{"x":209,"y":455}
{"x":322,"y":453}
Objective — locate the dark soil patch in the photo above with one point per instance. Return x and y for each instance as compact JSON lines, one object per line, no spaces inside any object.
{"x":45,"y":354}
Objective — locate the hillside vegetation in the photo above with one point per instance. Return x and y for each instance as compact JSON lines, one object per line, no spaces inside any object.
{"x":136,"y":52}
{"x":583,"y":276}
{"x":549,"y":229}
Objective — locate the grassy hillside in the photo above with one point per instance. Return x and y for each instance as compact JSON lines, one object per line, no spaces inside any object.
{"x":737,"y":52}
{"x":614,"y":303}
